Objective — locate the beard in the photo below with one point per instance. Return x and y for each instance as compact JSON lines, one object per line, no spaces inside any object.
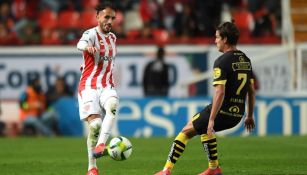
{"x":106,"y":28}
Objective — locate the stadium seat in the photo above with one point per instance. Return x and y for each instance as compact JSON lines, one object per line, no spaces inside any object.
{"x":243,"y":20}
{"x":89,"y":4}
{"x":68,"y":19}
{"x":132,"y":34}
{"x":160,"y":35}
{"x":47,"y":19}
{"x":87,"y":19}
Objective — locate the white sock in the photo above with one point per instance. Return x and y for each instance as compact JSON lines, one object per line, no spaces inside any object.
{"x":94,"y":129}
{"x":110,"y":107}
{"x":105,"y":130}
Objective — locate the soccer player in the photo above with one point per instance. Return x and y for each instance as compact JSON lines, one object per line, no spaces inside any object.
{"x":97,"y":97}
{"x":233,"y":83}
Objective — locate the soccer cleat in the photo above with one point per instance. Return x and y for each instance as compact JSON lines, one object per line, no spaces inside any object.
{"x":93,"y":171}
{"x":217,"y":171}
{"x":98,"y":151}
{"x":164,"y":172}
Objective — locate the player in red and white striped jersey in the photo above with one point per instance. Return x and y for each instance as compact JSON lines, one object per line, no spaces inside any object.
{"x":97,"y":97}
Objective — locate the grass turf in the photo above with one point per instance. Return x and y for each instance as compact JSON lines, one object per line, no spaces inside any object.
{"x":68,"y":156}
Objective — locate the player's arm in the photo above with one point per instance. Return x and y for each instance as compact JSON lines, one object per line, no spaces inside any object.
{"x":218,"y":97}
{"x":86,"y":42}
{"x":249,"y":123}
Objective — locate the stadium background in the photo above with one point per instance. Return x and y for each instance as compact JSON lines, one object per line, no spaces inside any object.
{"x":277,"y":53}
{"x":39,"y":38}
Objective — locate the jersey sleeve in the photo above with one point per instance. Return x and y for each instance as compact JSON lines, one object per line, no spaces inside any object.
{"x":219,"y":73}
{"x":88,"y":37}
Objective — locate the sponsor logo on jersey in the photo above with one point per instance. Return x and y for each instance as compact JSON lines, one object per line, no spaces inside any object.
{"x":234,"y":109}
{"x":241,"y":66}
{"x":106,"y":58}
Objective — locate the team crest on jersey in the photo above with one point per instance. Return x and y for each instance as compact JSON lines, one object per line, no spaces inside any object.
{"x":217,"y":73}
{"x":241,"y":59}
{"x":86,"y":107}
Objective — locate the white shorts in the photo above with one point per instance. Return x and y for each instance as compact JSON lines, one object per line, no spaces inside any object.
{"x":91,"y":101}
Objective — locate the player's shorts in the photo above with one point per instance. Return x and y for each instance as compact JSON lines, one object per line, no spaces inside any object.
{"x":222,"y":122}
{"x":91,"y":101}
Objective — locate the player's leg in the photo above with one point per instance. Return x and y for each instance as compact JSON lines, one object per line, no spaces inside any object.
{"x":210,"y":147}
{"x":94,"y":123}
{"x":222,"y":122}
{"x":109,"y":102}
{"x":178,"y":148}
{"x":90,"y":112}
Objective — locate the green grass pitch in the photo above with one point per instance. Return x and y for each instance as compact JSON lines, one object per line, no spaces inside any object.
{"x":274,"y":155}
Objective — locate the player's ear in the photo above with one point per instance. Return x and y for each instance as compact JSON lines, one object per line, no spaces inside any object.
{"x":97,"y":16}
{"x":225,"y":40}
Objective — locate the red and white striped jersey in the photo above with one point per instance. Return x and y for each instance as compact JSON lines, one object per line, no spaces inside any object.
{"x":97,"y":69}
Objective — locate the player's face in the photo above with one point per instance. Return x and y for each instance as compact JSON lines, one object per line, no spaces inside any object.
{"x":106,"y":19}
{"x":220,"y":43}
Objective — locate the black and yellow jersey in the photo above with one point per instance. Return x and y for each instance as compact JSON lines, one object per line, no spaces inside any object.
{"x":234,"y":70}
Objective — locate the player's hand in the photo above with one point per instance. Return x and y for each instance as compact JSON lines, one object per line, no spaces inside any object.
{"x":91,"y":50}
{"x":249,"y":124}
{"x":210,"y":130}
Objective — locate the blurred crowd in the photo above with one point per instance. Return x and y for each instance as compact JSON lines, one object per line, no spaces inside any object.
{"x":55,"y":22}
{"x":50,"y":112}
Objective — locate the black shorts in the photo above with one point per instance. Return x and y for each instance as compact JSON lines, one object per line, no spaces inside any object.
{"x":222,"y":122}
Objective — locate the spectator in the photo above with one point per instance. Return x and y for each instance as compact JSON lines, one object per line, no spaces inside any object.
{"x":185,"y":23}
{"x":210,"y":10}
{"x":60,"y":89}
{"x":6,"y":16}
{"x":53,"y":95}
{"x":7,"y":37}
{"x":156,"y":77}
{"x":32,"y":107}
{"x":62,"y":114}
{"x":182,"y":19}
{"x":29,"y":35}
{"x":265,"y":13}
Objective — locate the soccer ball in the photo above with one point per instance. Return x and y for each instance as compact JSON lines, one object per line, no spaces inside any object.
{"x":119,"y":148}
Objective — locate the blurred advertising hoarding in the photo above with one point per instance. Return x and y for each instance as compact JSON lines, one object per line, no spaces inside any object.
{"x":17,"y":70}
{"x":274,"y":71}
{"x":166,"y":116}
{"x":147,"y":117}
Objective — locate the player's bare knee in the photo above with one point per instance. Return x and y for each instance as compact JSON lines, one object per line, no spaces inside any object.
{"x":92,"y":117}
{"x":189,"y":130}
{"x":111,"y":105}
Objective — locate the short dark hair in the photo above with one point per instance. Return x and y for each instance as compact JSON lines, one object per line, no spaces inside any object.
{"x":104,"y":5}
{"x":160,"y":52}
{"x":230,"y":31}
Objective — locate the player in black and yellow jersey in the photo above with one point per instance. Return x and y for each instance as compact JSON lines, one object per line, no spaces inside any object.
{"x":233,"y":86}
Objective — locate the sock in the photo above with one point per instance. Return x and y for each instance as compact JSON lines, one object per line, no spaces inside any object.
{"x":105,"y":130}
{"x":107,"y":123}
{"x":210,"y":146}
{"x":176,"y":151}
{"x":94,"y":128}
